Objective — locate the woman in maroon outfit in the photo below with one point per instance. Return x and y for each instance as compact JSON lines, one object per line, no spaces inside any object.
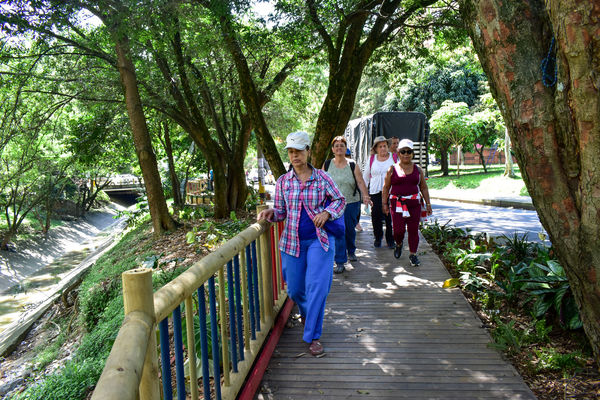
{"x":404,"y":186}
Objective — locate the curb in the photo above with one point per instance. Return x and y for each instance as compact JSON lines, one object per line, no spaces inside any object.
{"x":262,"y":362}
{"x":490,"y":202}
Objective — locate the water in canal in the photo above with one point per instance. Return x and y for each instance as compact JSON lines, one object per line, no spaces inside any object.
{"x":29,"y":278}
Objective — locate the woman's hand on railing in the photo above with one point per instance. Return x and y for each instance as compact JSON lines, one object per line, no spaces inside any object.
{"x":265,"y":214}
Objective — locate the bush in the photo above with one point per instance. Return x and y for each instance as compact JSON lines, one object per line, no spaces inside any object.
{"x":97,"y":344}
{"x":549,"y":359}
{"x":74,"y":381}
{"x":95,"y":304}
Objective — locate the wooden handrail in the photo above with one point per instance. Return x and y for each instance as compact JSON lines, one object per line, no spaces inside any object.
{"x":131,"y":371}
{"x":174,"y":293}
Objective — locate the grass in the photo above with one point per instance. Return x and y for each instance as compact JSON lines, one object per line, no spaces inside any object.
{"x":474,"y":177}
{"x":29,"y":226}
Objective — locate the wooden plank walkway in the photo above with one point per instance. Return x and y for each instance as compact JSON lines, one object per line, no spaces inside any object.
{"x":392,"y":332}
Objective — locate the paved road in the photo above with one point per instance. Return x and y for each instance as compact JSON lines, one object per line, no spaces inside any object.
{"x":496,"y":221}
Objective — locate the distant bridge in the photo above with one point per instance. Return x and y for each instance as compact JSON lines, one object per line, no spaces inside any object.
{"x":129,"y":188}
{"x":124,"y":186}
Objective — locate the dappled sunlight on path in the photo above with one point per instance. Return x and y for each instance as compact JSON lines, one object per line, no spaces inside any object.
{"x":392,"y":332}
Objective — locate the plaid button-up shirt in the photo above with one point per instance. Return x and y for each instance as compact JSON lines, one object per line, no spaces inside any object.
{"x":291,"y":194}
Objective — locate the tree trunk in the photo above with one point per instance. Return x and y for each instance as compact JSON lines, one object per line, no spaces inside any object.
{"x":161,"y":219}
{"x":554,"y":130}
{"x":458,"y":159}
{"x":337,"y":109}
{"x":48,"y":220}
{"x":509,"y":169}
{"x":177,"y":199}
{"x":481,"y":158}
{"x":444,"y":162}
{"x":6,"y":238}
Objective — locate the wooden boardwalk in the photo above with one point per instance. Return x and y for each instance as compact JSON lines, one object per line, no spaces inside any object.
{"x":392,"y":332}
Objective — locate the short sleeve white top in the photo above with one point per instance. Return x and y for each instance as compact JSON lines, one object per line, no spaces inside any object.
{"x":374,"y":174}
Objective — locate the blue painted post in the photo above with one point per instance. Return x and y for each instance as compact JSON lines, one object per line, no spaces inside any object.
{"x":238,"y":304}
{"x":203,"y":342}
{"x":255,"y":284}
{"x":215,"y":336}
{"x":178,"y":342}
{"x":165,"y":361}
{"x":250,"y":292}
{"x":232,"y":321}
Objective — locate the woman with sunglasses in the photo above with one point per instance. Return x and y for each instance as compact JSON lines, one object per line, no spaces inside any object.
{"x":404,"y":186}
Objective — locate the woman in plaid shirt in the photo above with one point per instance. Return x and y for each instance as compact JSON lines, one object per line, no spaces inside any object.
{"x":307,"y":250}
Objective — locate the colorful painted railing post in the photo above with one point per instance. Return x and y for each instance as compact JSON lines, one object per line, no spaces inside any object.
{"x":265,"y":270}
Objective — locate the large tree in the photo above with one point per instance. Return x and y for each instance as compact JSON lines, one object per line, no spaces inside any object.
{"x":426,"y":89}
{"x":60,"y":24}
{"x":449,"y":129}
{"x":351,"y":32}
{"x":486,"y":125}
{"x":174,"y":62}
{"x":554,"y":125}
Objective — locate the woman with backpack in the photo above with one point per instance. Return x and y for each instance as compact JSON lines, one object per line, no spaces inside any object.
{"x":348,"y":178}
{"x":375,"y":171}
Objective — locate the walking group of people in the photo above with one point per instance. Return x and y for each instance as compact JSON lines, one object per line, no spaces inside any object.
{"x":314,"y":202}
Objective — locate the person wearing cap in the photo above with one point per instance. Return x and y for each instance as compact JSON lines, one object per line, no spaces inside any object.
{"x":306,"y":198}
{"x":348,"y":178}
{"x":374,"y":176}
{"x":404,"y":188}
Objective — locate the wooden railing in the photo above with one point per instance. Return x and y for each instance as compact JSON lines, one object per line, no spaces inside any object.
{"x":241,"y":312}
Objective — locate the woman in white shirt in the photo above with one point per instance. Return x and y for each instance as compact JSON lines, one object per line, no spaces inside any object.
{"x":374,"y":175}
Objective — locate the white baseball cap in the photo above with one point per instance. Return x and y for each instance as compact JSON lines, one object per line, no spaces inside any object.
{"x":405,"y":143}
{"x":298,"y":140}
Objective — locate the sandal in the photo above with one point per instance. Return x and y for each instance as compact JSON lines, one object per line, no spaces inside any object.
{"x":316,"y":348}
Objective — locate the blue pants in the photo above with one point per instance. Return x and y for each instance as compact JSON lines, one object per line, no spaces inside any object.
{"x":348,"y":246}
{"x":308,"y":280}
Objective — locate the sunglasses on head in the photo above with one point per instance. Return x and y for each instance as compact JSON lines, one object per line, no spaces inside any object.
{"x":407,"y":151}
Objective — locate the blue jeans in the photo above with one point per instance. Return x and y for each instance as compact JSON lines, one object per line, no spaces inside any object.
{"x":348,"y":246}
{"x":308,"y":279}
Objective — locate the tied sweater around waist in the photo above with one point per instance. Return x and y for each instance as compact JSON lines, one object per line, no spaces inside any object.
{"x":404,"y":190}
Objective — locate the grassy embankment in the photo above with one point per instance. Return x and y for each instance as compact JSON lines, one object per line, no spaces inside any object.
{"x":92,"y":323}
{"x":473,"y":177}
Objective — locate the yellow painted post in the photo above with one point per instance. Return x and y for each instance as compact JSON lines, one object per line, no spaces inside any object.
{"x":224,"y":333}
{"x":277,"y":260}
{"x":265,"y":275}
{"x":245,"y":299}
{"x":189,"y":323}
{"x":138,"y":296}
